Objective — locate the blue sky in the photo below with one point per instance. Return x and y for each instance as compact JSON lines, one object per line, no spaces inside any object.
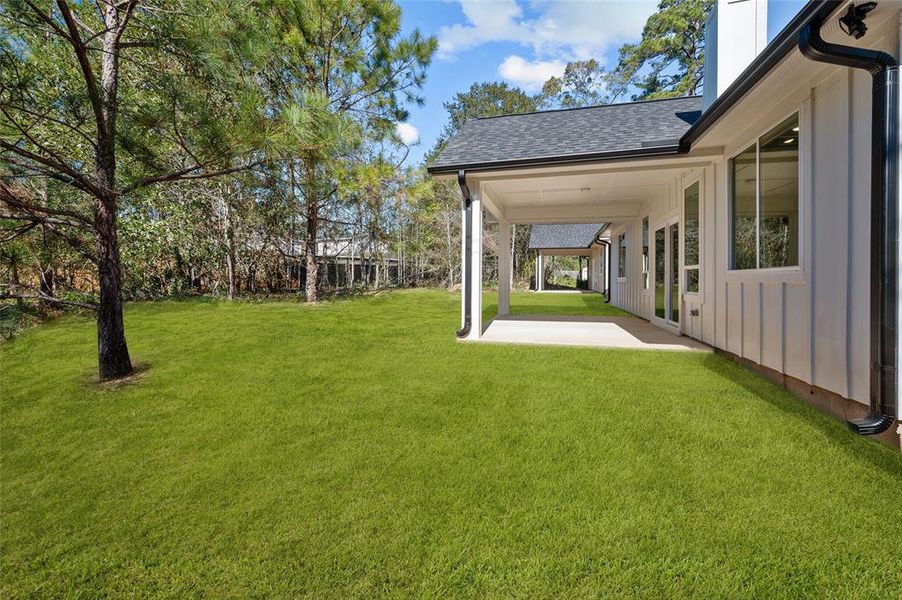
{"x":522,"y":42}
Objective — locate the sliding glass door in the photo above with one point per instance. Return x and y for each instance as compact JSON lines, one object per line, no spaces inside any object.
{"x":660,"y":274}
{"x":673,"y":282}
{"x":667,"y":268}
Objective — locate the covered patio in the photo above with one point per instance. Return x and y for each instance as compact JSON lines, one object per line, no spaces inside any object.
{"x":555,"y":243}
{"x":599,"y":168}
{"x":623,"y":259}
{"x":615,"y":196}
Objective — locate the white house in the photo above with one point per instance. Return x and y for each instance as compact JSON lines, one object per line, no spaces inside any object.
{"x":565,"y":239}
{"x":346,"y":261}
{"x":760,"y":219}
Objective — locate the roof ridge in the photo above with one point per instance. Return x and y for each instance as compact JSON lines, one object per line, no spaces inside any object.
{"x":554,"y":110}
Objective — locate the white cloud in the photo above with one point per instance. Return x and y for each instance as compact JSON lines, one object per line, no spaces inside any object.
{"x":487,"y":22}
{"x":529,"y":75}
{"x":562,"y":30}
{"x":407,"y":133}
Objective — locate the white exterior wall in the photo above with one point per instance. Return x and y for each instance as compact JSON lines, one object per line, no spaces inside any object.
{"x":626,"y":291}
{"x":596,"y":269}
{"x":735,"y":33}
{"x":811,"y":323}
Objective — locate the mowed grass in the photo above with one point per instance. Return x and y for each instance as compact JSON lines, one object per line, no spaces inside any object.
{"x":551,"y":303}
{"x":354,"y":449}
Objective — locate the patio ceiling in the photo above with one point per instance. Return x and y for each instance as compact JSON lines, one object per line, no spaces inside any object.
{"x":578,"y":195}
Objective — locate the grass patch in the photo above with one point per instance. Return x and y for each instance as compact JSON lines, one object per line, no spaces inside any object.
{"x":551,"y":303}
{"x":357,"y":450}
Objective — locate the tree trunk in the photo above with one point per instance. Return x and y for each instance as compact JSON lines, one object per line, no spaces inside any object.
{"x":47,"y":282}
{"x":16,"y":284}
{"x":312,"y":202}
{"x":351,"y":272}
{"x":230,"y":249}
{"x":112,"y":351}
{"x":252,"y":277}
{"x":46,"y":273}
{"x":310,"y":258}
{"x":450,"y":250}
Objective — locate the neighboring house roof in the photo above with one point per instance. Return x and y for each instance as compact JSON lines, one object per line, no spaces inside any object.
{"x":652,"y":127}
{"x":563,"y":235}
{"x":611,"y":131}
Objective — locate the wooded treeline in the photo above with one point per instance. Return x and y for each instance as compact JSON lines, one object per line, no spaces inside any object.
{"x":156,"y":148}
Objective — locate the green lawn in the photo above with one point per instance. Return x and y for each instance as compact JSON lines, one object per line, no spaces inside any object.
{"x":550,"y":303}
{"x":356,"y":450}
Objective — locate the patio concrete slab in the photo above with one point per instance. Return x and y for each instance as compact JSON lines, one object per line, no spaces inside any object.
{"x":600,"y":332}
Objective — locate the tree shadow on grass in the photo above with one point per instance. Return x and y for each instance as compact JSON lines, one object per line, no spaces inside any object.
{"x":139,"y":372}
{"x":879,"y":455}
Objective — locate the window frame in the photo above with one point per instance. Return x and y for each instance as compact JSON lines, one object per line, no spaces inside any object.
{"x":665,"y":225}
{"x":696,"y":179}
{"x":788,"y":274}
{"x":622,"y":253}
{"x":645,"y":237}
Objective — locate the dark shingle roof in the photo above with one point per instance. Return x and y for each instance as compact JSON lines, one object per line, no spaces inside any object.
{"x":638,"y":127}
{"x":563,"y":235}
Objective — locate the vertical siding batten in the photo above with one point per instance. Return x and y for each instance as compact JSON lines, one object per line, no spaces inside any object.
{"x":760,"y":292}
{"x":783,"y":326}
{"x":850,"y":194}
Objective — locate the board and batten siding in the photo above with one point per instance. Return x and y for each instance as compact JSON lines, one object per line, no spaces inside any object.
{"x":811,"y":323}
{"x":596,"y":269}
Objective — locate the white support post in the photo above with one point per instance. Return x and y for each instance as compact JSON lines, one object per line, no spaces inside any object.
{"x":535,"y":273}
{"x":476,"y":282}
{"x":540,"y":271}
{"x":504,"y":267}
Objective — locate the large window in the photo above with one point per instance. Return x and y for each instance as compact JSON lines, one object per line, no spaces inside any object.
{"x":645,"y":253}
{"x":621,"y":255}
{"x":765,"y":200}
{"x":691,"y":241}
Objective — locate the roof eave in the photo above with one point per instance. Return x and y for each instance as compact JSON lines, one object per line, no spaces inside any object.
{"x":597,"y":233}
{"x":785,"y":42}
{"x":546,"y":161}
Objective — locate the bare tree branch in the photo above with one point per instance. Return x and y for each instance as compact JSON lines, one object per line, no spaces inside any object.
{"x":47,"y":117}
{"x":15,"y":200}
{"x":189,"y":173}
{"x":48,"y":20}
{"x":77,"y":179}
{"x":39,"y":295}
{"x":18,"y":232}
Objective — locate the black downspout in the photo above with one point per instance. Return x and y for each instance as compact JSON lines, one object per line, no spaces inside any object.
{"x":884,"y":71}
{"x":607,"y":270}
{"x":467,"y":275}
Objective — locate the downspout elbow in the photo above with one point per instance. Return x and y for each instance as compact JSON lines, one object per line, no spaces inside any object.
{"x":872,"y":424}
{"x":815,"y":48}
